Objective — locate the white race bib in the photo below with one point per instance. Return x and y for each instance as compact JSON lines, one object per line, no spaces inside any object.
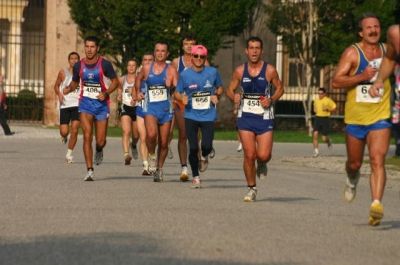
{"x":252,"y":104}
{"x":157,"y":93}
{"x":201,"y":100}
{"x":362,"y":94}
{"x":91,"y":90}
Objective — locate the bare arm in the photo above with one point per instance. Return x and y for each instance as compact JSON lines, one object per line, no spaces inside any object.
{"x":59,"y":80}
{"x":273,"y":78}
{"x":347,"y":64}
{"x":119,"y":91}
{"x":136,"y":94}
{"x":388,"y":62}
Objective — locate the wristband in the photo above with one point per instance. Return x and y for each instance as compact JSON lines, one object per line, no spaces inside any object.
{"x":106,"y":93}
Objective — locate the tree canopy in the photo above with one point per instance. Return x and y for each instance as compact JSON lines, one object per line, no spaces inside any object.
{"x":129,"y":28}
{"x":336,"y":22}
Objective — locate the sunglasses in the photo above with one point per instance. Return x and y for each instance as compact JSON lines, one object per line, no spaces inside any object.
{"x":197,"y":56}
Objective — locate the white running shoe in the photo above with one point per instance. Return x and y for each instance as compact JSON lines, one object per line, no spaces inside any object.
{"x":89,"y":175}
{"x":349,"y":189}
{"x":196,"y":183}
{"x":69,"y":159}
{"x":152,"y":165}
{"x":251,"y":195}
{"x":212,"y":153}
{"x":184,"y":175}
{"x":240,"y":148}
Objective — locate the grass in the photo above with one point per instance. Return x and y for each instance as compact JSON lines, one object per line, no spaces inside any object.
{"x":279,"y":137}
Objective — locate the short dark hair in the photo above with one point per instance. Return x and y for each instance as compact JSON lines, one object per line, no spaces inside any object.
{"x":73,"y":53}
{"x":189,"y":36}
{"x":94,"y":39}
{"x":148,"y":53}
{"x":364,"y":16}
{"x":163,"y":42}
{"x":252,"y":39}
{"x":133,"y":60}
{"x":322,"y":89}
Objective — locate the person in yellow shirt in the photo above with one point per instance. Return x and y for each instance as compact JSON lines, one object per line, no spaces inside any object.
{"x":323,"y":106}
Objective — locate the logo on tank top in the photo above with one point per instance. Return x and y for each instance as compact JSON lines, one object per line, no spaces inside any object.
{"x":246,"y":80}
{"x":90,"y":76}
{"x":261,"y":78}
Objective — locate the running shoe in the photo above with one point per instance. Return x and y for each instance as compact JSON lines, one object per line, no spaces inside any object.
{"x":145,"y":171}
{"x":69,"y":159}
{"x":203,"y":165}
{"x":64,"y":139}
{"x":152,"y":168}
{"x":196,"y":183}
{"x":89,"y":175}
{"x":262,"y":170}
{"x":375,"y":214}
{"x":184,"y":175}
{"x":170,"y":154}
{"x":158,"y":176}
{"x":212,"y":153}
{"x":128,"y":159}
{"x":349,"y":189}
{"x":134,"y":150}
{"x":240,"y":148}
{"x":251,"y":195}
{"x":329,"y":143}
{"x":315,"y":154}
{"x":98,"y":157}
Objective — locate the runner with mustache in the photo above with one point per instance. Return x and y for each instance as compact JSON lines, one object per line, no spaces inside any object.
{"x":367,"y":118}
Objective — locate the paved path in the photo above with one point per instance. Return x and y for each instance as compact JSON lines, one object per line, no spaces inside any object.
{"x":49,"y":215}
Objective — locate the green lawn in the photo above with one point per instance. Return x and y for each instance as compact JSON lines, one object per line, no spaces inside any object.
{"x":279,"y":137}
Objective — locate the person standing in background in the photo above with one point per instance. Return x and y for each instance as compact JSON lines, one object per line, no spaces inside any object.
{"x":3,"y":107}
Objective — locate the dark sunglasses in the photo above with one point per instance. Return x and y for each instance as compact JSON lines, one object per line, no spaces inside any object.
{"x":197,"y":56}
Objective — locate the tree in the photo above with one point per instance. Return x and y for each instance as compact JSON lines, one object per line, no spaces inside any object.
{"x":129,"y":28}
{"x":317,"y":32}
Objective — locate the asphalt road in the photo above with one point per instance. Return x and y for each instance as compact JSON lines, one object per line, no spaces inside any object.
{"x":49,"y":215}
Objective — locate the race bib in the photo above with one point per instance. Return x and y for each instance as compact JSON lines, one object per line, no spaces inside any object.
{"x":252,"y":104}
{"x":201,"y":100}
{"x":362,"y":94}
{"x":91,"y":90}
{"x":157,"y":93}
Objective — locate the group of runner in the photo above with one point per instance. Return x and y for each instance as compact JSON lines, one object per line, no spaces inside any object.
{"x":187,"y":91}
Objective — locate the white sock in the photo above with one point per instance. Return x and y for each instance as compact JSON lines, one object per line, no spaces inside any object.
{"x":316,"y":151}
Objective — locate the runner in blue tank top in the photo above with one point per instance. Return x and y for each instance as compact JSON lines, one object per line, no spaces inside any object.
{"x":160,"y":79}
{"x":255,"y":121}
{"x":93,"y":73}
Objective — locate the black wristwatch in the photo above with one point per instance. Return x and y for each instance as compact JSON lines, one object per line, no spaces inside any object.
{"x":106,"y":93}
{"x":218,"y":96}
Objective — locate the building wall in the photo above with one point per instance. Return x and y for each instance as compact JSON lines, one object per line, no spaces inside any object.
{"x":62,"y":37}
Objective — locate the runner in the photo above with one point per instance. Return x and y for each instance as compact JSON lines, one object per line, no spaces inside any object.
{"x":128,"y":111}
{"x":160,"y":79}
{"x":199,"y":89}
{"x":255,"y":121}
{"x":366,"y":118}
{"x":94,"y":101}
{"x":323,"y":106}
{"x":68,"y":106}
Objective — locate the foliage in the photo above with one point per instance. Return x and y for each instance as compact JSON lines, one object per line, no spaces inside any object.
{"x":129,"y":28}
{"x":318,"y":31}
